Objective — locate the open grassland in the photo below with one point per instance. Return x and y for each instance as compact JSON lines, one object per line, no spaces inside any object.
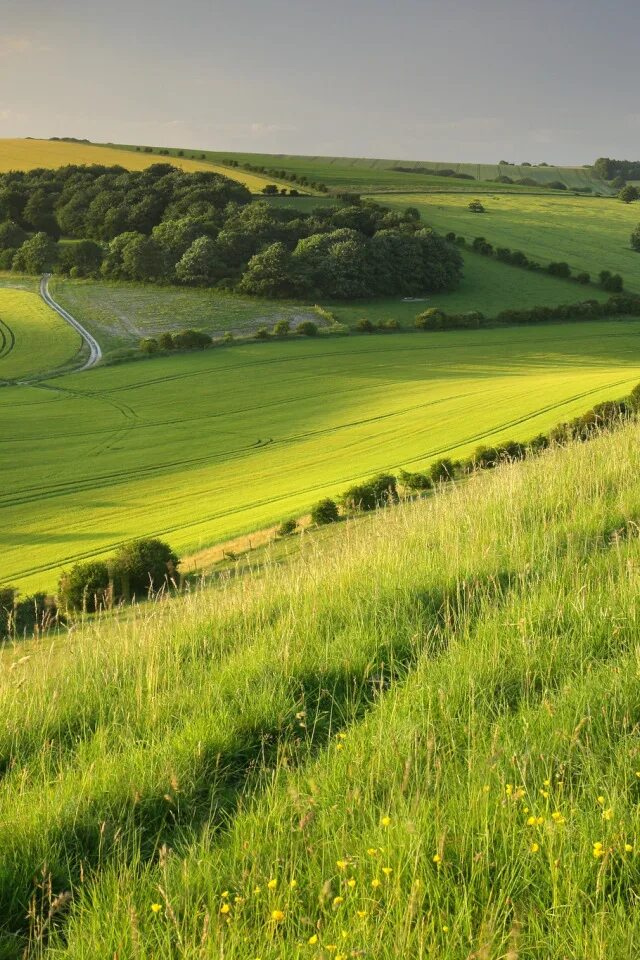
{"x":368,"y":175}
{"x":418,"y":741}
{"x":33,"y":338}
{"x":198,"y":448}
{"x":589,"y":233}
{"x":30,"y":154}
{"x":120,"y":314}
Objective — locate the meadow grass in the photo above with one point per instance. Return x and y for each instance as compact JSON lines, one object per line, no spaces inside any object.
{"x":119,"y":314}
{"x":368,"y":175}
{"x":33,"y":338}
{"x":590,"y":233}
{"x":199,"y":448}
{"x":417,"y":740}
{"x":16,"y":154}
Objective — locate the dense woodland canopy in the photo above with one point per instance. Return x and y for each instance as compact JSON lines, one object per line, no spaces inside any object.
{"x":164,"y":225}
{"x":611,"y":169}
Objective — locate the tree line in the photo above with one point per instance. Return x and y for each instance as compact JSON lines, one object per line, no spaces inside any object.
{"x":164,"y":225}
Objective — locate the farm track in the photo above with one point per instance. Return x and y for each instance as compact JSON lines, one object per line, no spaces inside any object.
{"x":95,"y":353}
{"x":8,"y":339}
{"x":94,"y":483}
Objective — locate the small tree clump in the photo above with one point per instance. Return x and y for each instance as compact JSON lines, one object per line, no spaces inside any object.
{"x":287,"y":527}
{"x":629,"y":194}
{"x":262,"y":333}
{"x":85,"y":586}
{"x":326,"y":511}
{"x":282,"y":328}
{"x":365,"y":326}
{"x":583,"y":277}
{"x":165,"y":341}
{"x":149,"y":345}
{"x":559,"y":269}
{"x":307,"y":328}
{"x":476,"y":207}
{"x":441,"y":470}
{"x":143,"y":565}
{"x":635,"y":239}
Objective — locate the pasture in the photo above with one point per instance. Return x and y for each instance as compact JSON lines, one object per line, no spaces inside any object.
{"x":119,"y":314}
{"x":198,"y":448}
{"x":33,"y":339}
{"x":338,"y":757}
{"x":367,"y":175}
{"x":29,"y":154}
{"x":590,"y":233}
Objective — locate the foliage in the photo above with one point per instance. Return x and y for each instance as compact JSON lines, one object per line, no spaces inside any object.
{"x":635,"y":238}
{"x":144,"y":565}
{"x":476,"y":207}
{"x":85,"y":586}
{"x":629,"y":194}
{"x":36,"y":255}
{"x":287,"y":527}
{"x":325,"y":511}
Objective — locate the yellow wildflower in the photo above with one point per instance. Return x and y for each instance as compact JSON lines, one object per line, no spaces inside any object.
{"x":607,"y":814}
{"x":628,"y":848}
{"x":385,"y":821}
{"x":437,"y":858}
{"x":224,"y":894}
{"x":375,"y":883}
{"x":351,"y":882}
{"x":257,"y":889}
{"x":387,"y":871}
{"x":485,"y":788}
{"x":445,"y":929}
{"x":277,"y":915}
{"x":372,"y":851}
{"x":272,"y":884}
{"x":337,"y":901}
{"x":293,"y":884}
{"x":546,"y":783}
{"x":362,"y":914}
{"x":225,"y":908}
{"x":313,"y":940}
{"x":534,"y":847}
{"x":509,"y":789}
{"x":531,"y":821}
{"x":341,"y":736}
{"x":545,"y":793}
{"x":156,"y":907}
{"x":539,"y":821}
{"x":557,"y":817}
{"x":342,"y":864}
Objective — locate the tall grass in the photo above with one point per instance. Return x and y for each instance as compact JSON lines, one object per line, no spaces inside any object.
{"x":350,"y":747}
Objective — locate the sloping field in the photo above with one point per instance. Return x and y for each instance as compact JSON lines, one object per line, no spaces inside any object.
{"x":33,"y":338}
{"x":420,"y":741}
{"x":120,"y":314}
{"x":369,"y":175}
{"x":589,"y":233}
{"x":29,"y":154}
{"x":201,"y":447}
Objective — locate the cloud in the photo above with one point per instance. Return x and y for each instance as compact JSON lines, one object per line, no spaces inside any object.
{"x":7,"y":115}
{"x":12,"y":45}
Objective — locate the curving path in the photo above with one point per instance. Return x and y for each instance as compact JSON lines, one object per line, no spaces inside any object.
{"x":95,"y":353}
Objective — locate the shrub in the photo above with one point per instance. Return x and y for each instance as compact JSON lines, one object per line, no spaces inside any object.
{"x":85,"y":586}
{"x":415,"y":481}
{"x":629,"y":194}
{"x":559,"y":269}
{"x":635,"y":239}
{"x":191,"y":340}
{"x":326,"y":511}
{"x":431,"y":319}
{"x":307,"y":328}
{"x":262,"y":333}
{"x":481,"y":245}
{"x":611,"y":282}
{"x":149,"y":345}
{"x":556,"y":184}
{"x":165,"y":341}
{"x":143,"y":565}
{"x":365,"y":326}
{"x":583,"y":278}
{"x":442,"y":469}
{"x":391,"y":324}
{"x":282,"y":328}
{"x":287,"y":527}
{"x":377,"y":492}
{"x":476,"y":207}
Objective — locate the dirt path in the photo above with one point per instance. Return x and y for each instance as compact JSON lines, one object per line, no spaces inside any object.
{"x":95,"y":353}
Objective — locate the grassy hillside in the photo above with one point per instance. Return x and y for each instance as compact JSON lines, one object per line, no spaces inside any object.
{"x":418,"y":741}
{"x":29,"y":154}
{"x":372,"y":175}
{"x":202,"y":447}
{"x":33,"y":339}
{"x":119,"y":314}
{"x":589,"y":233}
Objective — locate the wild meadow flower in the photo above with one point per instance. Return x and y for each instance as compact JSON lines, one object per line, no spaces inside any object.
{"x":273,"y":883}
{"x":628,"y":848}
{"x":385,"y":821}
{"x":156,"y":907}
{"x":534,"y":847}
{"x":437,"y":858}
{"x":351,"y":882}
{"x":342,"y":864}
{"x":313,"y":939}
{"x":387,"y":871}
{"x":337,"y":901}
{"x":607,"y":814}
{"x":375,"y":883}
{"x":557,"y":817}
{"x":225,"y":908}
{"x":277,"y":915}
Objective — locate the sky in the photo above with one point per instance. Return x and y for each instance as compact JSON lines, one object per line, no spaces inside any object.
{"x":457,"y":80}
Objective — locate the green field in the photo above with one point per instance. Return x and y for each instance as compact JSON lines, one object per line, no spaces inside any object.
{"x":198,"y":448}
{"x":368,"y":175}
{"x":33,"y":339}
{"x":589,"y":233}
{"x":120,"y":314}
{"x":420,"y":741}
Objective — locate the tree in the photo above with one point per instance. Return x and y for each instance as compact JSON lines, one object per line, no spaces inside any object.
{"x":635,"y":238}
{"x":176,"y":237}
{"x":36,"y":255}
{"x":85,"y":586}
{"x":83,"y":258}
{"x":442,"y":469}
{"x":200,"y":264}
{"x":269,"y":273}
{"x":270,"y":190}
{"x":150,"y":345}
{"x":629,"y":194}
{"x":12,"y":236}
{"x":143,"y":565}
{"x":476,"y":207}
{"x":191,"y":340}
{"x":307,"y":328}
{"x":142,"y":259}
{"x":326,"y":511}
{"x":287,"y":527}
{"x":282,"y":328}
{"x":559,"y":269}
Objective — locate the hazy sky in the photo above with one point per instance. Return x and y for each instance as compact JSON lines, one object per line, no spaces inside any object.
{"x":478,"y":80}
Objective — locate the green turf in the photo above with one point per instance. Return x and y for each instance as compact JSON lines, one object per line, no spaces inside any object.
{"x":119,"y":314}
{"x":590,"y":234}
{"x":349,"y":751}
{"x":370,"y":175}
{"x":33,"y":338}
{"x":201,"y":447}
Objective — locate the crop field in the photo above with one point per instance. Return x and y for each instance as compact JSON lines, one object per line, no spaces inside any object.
{"x":33,"y":339}
{"x":202,"y":447}
{"x":29,"y":154}
{"x":339,"y":757}
{"x":119,"y":314}
{"x":368,"y":175}
{"x":589,"y":233}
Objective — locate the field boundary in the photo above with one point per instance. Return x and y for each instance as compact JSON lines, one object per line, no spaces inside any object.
{"x":95,"y":352}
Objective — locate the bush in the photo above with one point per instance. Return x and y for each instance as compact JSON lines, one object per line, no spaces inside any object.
{"x":85,"y":586}
{"x":556,"y":184}
{"x":635,"y":239}
{"x":611,"y":282}
{"x":377,"y":492}
{"x":476,"y":207}
{"x":287,"y":527}
{"x":282,"y":328}
{"x":583,"y":278}
{"x":326,"y":511}
{"x":391,"y":324}
{"x":365,"y":326}
{"x":559,"y":269}
{"x":307,"y":328}
{"x":165,"y":341}
{"x":441,"y":470}
{"x":143,"y":565}
{"x":415,"y":481}
{"x":431,"y":319}
{"x":191,"y":340}
{"x":149,"y":345}
{"x":262,"y":333}
{"x":629,"y":194}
